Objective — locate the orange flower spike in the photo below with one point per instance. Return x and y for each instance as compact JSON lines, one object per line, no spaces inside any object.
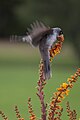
{"x":69,"y":79}
{"x":51,"y":53}
{"x":73,"y":78}
{"x":61,"y":96}
{"x":56,"y":49}
{"x":67,"y":92}
{"x":52,"y":105}
{"x":59,"y":100}
{"x":59,"y":89}
{"x":56,"y":93}
{"x":58,"y":107}
{"x":78,"y":72}
{"x":64,"y":85}
{"x":22,"y":119}
{"x":32,"y":117}
{"x":3,"y":115}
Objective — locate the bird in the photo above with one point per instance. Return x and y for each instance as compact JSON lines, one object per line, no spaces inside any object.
{"x":44,"y":37}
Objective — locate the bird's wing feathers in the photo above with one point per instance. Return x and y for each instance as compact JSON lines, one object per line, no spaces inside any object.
{"x":37,"y":31}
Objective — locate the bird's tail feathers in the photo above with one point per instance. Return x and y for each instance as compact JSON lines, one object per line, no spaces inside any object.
{"x":47,"y":71}
{"x":48,"y":75}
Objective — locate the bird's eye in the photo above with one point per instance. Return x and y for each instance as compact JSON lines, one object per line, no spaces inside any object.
{"x":60,"y":33}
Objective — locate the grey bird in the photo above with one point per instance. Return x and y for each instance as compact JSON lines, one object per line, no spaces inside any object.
{"x":43,"y":36}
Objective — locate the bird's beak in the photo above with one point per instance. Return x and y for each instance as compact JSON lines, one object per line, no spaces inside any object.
{"x":61,"y":37}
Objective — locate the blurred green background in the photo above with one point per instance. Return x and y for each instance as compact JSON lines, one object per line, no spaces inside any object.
{"x":19,"y":62}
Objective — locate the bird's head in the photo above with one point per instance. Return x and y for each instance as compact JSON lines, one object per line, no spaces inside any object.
{"x":58,"y":32}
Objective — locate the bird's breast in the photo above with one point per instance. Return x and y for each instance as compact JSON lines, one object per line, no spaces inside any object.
{"x":50,"y":40}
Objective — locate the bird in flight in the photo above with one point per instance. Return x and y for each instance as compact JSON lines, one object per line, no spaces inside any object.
{"x":43,"y":36}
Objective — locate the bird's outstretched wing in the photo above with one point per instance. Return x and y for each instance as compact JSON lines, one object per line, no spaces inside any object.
{"x":36,"y":32}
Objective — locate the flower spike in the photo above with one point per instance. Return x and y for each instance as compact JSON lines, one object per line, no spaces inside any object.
{"x":3,"y":115}
{"x":58,"y":96}
{"x":32,"y":115}
{"x":18,"y":114}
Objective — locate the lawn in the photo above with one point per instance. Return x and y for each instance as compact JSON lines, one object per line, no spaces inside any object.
{"x":19,"y":66}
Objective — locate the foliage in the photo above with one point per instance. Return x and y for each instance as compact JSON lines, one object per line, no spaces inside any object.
{"x":8,"y":21}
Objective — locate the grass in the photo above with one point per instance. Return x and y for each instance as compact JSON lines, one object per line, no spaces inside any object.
{"x":19,"y":75}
